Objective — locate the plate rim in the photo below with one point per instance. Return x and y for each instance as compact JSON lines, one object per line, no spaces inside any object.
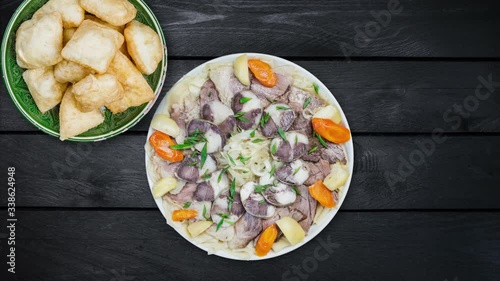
{"x":349,"y":152}
{"x":104,"y":136}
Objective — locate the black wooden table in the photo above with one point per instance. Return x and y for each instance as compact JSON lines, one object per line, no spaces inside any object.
{"x":421,"y":90}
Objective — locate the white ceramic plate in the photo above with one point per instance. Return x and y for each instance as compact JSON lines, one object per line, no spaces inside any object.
{"x":326,"y":94}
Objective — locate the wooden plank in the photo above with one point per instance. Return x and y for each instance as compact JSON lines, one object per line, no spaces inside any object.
{"x":325,"y":28}
{"x":461,"y":173}
{"x":377,"y":96}
{"x":138,"y":245}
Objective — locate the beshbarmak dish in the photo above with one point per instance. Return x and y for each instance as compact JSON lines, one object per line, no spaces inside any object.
{"x":248,"y":156}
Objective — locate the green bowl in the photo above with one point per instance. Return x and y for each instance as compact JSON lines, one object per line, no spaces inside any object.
{"x":113,"y":124}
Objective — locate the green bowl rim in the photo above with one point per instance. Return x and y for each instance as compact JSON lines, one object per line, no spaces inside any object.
{"x":123,"y":128}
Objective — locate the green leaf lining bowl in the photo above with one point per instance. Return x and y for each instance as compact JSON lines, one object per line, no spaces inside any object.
{"x":113,"y":124}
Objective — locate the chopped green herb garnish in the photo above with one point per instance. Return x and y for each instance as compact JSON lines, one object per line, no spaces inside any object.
{"x":296,"y":189}
{"x":192,"y":164}
{"x":282,"y":133}
{"x":307,"y":102}
{"x":316,"y":88}
{"x":297,"y":170}
{"x":266,"y":117}
{"x":206,"y":176}
{"x":252,"y":134}
{"x":203,"y":156}
{"x":224,"y":216}
{"x":204,"y":214}
{"x":244,"y":159}
{"x":313,"y":149}
{"x":257,"y":140}
{"x":244,"y":100}
{"x":275,"y":182}
{"x":269,"y":100}
{"x":320,"y":139}
{"x":260,"y":188}
{"x":262,"y":201}
{"x":273,"y":169}
{"x":222,"y":173}
{"x":296,"y":139}
{"x":232,"y":190}
{"x":231,"y":159}
{"x":274,"y":148}
{"x":240,"y":117}
{"x":195,"y":137}
{"x":181,"y":146}
{"x":219,"y":224}
{"x":210,"y":94}
{"x":195,"y":153}
{"x":239,"y":114}
{"x":245,"y":171}
{"x":280,"y":107}
{"x":186,"y":205}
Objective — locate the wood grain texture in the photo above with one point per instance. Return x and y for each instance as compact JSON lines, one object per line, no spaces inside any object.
{"x":138,"y":245}
{"x":320,"y":28}
{"x":460,"y":174}
{"x":377,"y":96}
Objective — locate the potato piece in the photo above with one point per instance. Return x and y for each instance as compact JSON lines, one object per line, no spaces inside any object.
{"x":163,"y":186}
{"x":197,"y":228}
{"x":329,"y":112}
{"x":136,"y":89}
{"x":70,"y":11}
{"x":68,"y":71}
{"x":144,"y":46}
{"x":115,"y":12}
{"x":45,"y":31}
{"x":291,"y":229}
{"x":241,"y":69}
{"x":337,"y":177}
{"x":44,"y":88}
{"x":73,"y":121}
{"x":165,"y":124}
{"x":93,"y":45}
{"x":67,"y":34}
{"x":92,"y":92}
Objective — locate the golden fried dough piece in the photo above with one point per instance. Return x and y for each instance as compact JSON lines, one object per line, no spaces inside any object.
{"x":98,"y":20}
{"x":120,"y":29}
{"x":67,"y":34}
{"x":68,"y":71}
{"x":144,"y":46}
{"x":44,"y":88}
{"x":116,"y":12}
{"x":95,"y":91}
{"x":71,"y":12}
{"x":136,"y":89}
{"x":93,"y":45}
{"x":39,"y":41}
{"x":72,"y":121}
